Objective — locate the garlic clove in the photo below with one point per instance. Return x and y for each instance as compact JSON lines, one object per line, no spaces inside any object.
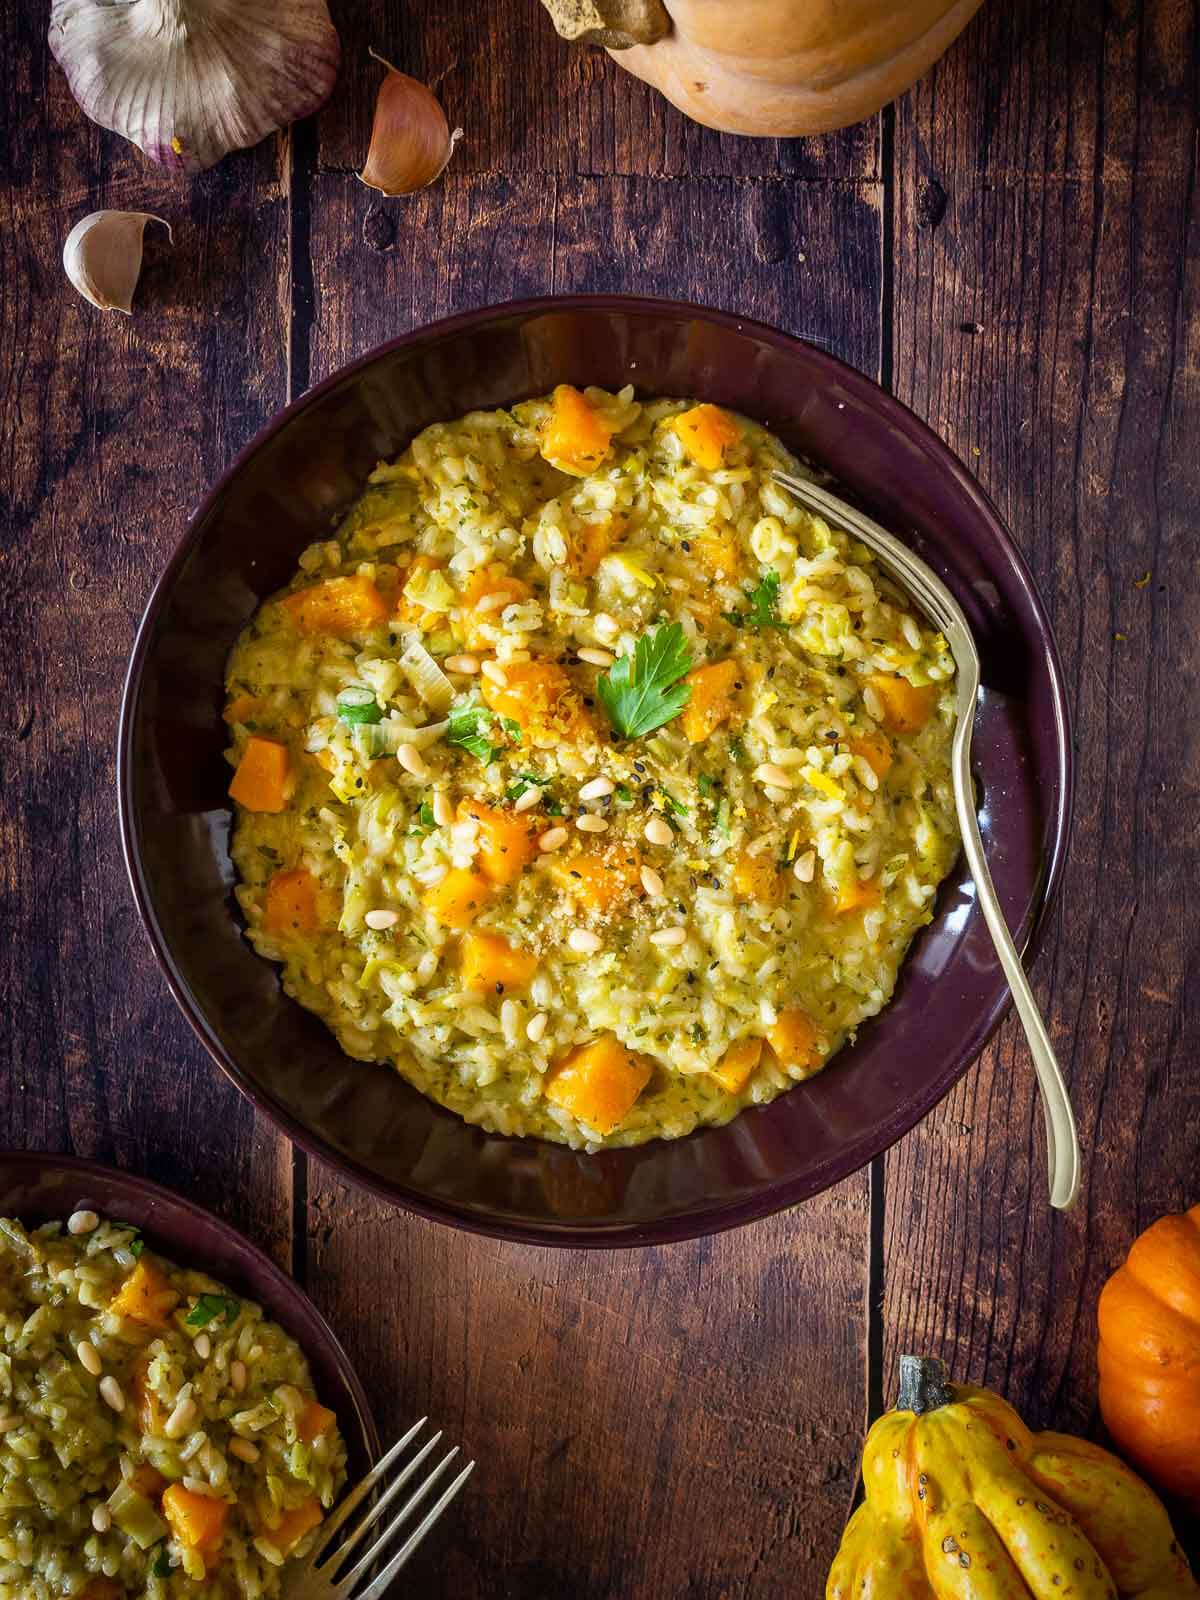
{"x":189,"y":80}
{"x":411,"y":140}
{"x":103,"y":256}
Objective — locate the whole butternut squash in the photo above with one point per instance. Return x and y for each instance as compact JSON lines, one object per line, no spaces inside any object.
{"x":963,"y":1500}
{"x":1150,"y":1355}
{"x":772,"y":68}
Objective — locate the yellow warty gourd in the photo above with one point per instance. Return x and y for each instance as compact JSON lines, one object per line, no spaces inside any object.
{"x":963,"y":1502}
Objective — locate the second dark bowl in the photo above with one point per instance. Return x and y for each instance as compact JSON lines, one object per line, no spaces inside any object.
{"x":242,"y":544}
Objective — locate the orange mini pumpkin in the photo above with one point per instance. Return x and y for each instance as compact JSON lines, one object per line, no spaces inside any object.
{"x":1150,"y":1355}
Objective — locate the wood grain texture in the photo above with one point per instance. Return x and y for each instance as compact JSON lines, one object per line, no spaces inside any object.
{"x":1049,"y":327}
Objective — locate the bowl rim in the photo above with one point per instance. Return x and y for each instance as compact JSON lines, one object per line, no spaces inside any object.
{"x":695,"y":1222}
{"x":39,"y":1162}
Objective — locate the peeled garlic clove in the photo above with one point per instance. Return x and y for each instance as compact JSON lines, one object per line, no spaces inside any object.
{"x":103,"y":256}
{"x":189,"y":80}
{"x":411,"y":140}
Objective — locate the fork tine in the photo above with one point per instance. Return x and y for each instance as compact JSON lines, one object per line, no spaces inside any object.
{"x":359,"y":1494}
{"x":345,"y":1584}
{"x":380,"y":1586}
{"x":373,"y":1513}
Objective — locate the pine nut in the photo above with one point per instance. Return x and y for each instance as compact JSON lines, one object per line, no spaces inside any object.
{"x":651,"y":882}
{"x":495,"y":673}
{"x":202,"y":1345}
{"x":606,"y":627}
{"x":527,"y":800}
{"x":411,"y":759}
{"x":805,"y":866}
{"x":465,"y":664}
{"x":89,"y":1358}
{"x":443,"y":811}
{"x":493,"y":602}
{"x":244,"y":1450}
{"x":596,"y":658}
{"x":657,"y":831}
{"x":597,"y":789}
{"x":82,"y":1222}
{"x":668,"y":936}
{"x":590,"y":824}
{"x":536,"y":1027}
{"x":180,"y":1420}
{"x":584,"y":941}
{"x":112,"y":1394}
{"x":554,"y":839}
{"x":101,"y":1519}
{"x":772,"y":775}
{"x":237,"y":1376}
{"x":379,"y":920}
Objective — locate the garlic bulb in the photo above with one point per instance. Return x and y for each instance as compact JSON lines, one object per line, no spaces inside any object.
{"x":103,"y":256}
{"x":411,"y":140}
{"x":189,"y":80}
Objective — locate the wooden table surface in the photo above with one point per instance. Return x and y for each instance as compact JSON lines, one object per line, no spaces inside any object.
{"x":1014,"y":249}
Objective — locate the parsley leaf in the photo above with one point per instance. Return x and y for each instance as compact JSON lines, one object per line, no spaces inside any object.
{"x":210,"y":1306}
{"x":468,"y":728}
{"x":162,"y":1561}
{"x":512,"y":728}
{"x":643,"y":693}
{"x":764,"y":606}
{"x":706,"y":785}
{"x":425,"y":821}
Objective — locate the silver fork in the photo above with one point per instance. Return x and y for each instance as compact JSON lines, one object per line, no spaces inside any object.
{"x":932,"y":595}
{"x":325,"y":1574}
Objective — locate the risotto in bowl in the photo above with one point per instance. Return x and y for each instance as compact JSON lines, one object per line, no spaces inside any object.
{"x":585,"y":777}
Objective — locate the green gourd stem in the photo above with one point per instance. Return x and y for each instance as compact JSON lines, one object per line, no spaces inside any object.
{"x":923,"y":1385}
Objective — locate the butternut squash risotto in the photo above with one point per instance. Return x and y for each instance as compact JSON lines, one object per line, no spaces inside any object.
{"x":585,"y":776}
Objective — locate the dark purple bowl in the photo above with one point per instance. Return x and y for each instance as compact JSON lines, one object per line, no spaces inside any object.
{"x":44,"y":1188}
{"x":243,"y":542}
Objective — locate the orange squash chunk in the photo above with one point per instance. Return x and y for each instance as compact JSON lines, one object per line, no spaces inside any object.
{"x":876,"y":751}
{"x":484,"y":583}
{"x":411,"y":610}
{"x":541,"y":699}
{"x":717,"y":554}
{"x":907,"y":707}
{"x":576,"y":438}
{"x":599,"y":880}
{"x":856,"y":896}
{"x":507,"y":840}
{"x":293,"y":1525}
{"x":757,"y":878}
{"x":733,"y":1070}
{"x":197,"y":1520}
{"x":145,"y":1296}
{"x":459,"y":898}
{"x":793,"y":1037}
{"x":314,"y":1420}
{"x":599,"y":1082}
{"x":290,"y":903}
{"x":261,"y":780}
{"x":706,"y":432}
{"x":241,"y":708}
{"x":490,"y":962}
{"x":341,"y":606}
{"x":593,"y":542}
{"x":711,"y":701}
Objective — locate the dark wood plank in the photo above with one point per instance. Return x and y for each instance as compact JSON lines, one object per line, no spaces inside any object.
{"x":1046,"y":325}
{"x":675,"y":1422}
{"x":110,"y":430}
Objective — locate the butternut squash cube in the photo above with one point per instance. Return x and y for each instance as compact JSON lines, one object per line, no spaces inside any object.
{"x":599,"y":880}
{"x":907,"y":707}
{"x":757,"y":878}
{"x":314,"y":1420}
{"x":341,"y":606}
{"x":541,"y":699}
{"x":717,"y":554}
{"x":793,"y":1037}
{"x":197,"y":1520}
{"x":261,"y":782}
{"x":491,"y":963}
{"x":733,"y":1070}
{"x":599,"y":1082}
{"x":145,"y":1296}
{"x":712,"y":701}
{"x":857,"y":895}
{"x":593,"y":542}
{"x":576,"y":438}
{"x":242,"y":708}
{"x":293,"y":1525}
{"x":290,"y":904}
{"x":876,"y":750}
{"x":507,"y":840}
{"x":458,"y":899}
{"x":484,"y":583}
{"x":707,"y":432}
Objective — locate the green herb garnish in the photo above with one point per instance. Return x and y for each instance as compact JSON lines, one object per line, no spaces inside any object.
{"x":764,"y":606}
{"x":706,"y":785}
{"x":162,"y":1562}
{"x":624,"y":793}
{"x":356,"y":706}
{"x":642,"y":692}
{"x":424,"y":822}
{"x":210,"y":1306}
{"x":723,"y":827}
{"x":737,"y":751}
{"x":673,"y":805}
{"x":512,"y":728}
{"x":468,"y":731}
